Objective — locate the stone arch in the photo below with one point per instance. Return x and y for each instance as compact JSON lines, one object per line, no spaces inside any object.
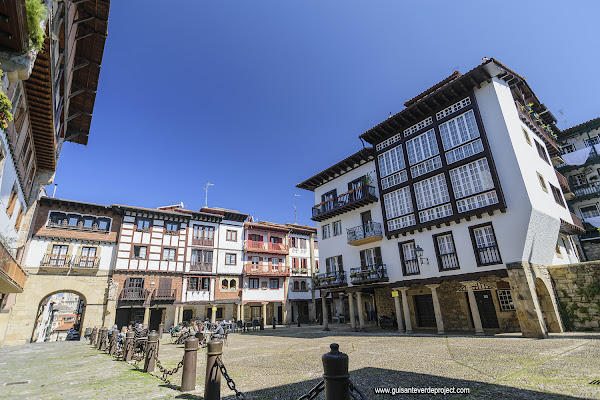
{"x":35,"y":327}
{"x":547,"y":306}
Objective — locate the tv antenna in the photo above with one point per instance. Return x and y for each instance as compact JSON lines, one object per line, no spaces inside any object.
{"x":206,"y":190}
{"x":295,"y":216}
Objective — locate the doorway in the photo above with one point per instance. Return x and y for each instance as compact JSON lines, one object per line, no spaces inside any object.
{"x":425,"y":311}
{"x":155,"y":318}
{"x":487,"y":311}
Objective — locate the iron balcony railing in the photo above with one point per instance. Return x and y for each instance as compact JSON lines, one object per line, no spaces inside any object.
{"x":364,"y":231}
{"x":11,"y":268}
{"x":134,"y":294}
{"x":344,"y":202}
{"x":488,"y":255}
{"x":411,"y":267}
{"x":86,"y":262}
{"x":369,"y":274}
{"x":330,"y":279}
{"x":590,"y":188}
{"x":201,"y":266}
{"x":299,"y":271}
{"x":202,"y":241}
{"x":263,"y":268}
{"x":252,"y":245}
{"x":54,"y":260}
{"x":538,"y":126}
{"x":593,"y":158}
{"x":448,"y":261}
{"x":164,"y":294}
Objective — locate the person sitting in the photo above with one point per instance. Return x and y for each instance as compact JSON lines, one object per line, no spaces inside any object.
{"x":219,"y":332}
{"x":193,"y":329}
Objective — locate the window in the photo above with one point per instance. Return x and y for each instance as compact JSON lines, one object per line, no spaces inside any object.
{"x":445,"y":251}
{"x":459,"y":130}
{"x":334,"y":264}
{"x":201,"y":256}
{"x":325,"y":231}
{"x":431,"y":192}
{"x":231,"y":236}
{"x":471,"y":178}
{"x":453,"y":108}
{"x":205,"y":284}
{"x":568,"y":148}
{"x":464,"y":151}
{"x":303,"y":285}
{"x":12,"y":201}
{"x":19,"y":218}
{"x":422,"y":147}
{"x":253,"y":283}
{"x":296,"y":285}
{"x":275,"y":261}
{"x":592,"y":141}
{"x":337,"y":228}
{"x":256,"y":238}
{"x":103,"y":224}
{"x":371,"y":257}
{"x":193,"y":284}
{"x":169,"y":254}
{"x":394,"y":179}
{"x":578,"y":180}
{"x":224,"y":284}
{"x":88,"y":257}
{"x":391,"y":161}
{"x":143,"y":224}
{"x":398,"y":202}
{"x":273,"y":283}
{"x":408,"y":256}
{"x":293,"y":242}
{"x":542,"y":151}
{"x":542,"y":182}
{"x":232,"y":284}
{"x":88,"y":222}
{"x":140,"y":252}
{"x":303,"y":241}
{"x":505,"y":300}
{"x":526,"y":134}
{"x":171,"y":228}
{"x":59,"y":254}
{"x":485,"y":245}
{"x":426,"y":166}
{"x":230,"y":258}
{"x":557,"y":193}
{"x":589,"y":211}
{"x":72,"y":220}
{"x":329,"y":200}
{"x":57,"y":218}
{"x":204,"y":233}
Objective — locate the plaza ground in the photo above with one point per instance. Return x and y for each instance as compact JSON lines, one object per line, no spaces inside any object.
{"x":286,"y":363}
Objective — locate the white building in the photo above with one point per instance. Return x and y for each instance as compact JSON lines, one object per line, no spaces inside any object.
{"x":451,"y":217}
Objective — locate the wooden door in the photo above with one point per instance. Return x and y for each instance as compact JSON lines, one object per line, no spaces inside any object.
{"x":487,"y":311}
{"x":424,"y":310}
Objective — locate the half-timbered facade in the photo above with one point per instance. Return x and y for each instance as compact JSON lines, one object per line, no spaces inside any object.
{"x":457,"y":207}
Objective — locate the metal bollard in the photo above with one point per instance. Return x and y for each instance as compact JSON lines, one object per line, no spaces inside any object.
{"x":335,"y":374}
{"x":100,"y":345}
{"x":114,"y":335}
{"x":212,"y":384}
{"x":161,"y":328}
{"x":151,"y":352}
{"x":274,"y":322}
{"x":190,"y":359}
{"x":93,"y":336}
{"x":262,"y":324}
{"x":128,"y":345}
{"x":298,"y":321}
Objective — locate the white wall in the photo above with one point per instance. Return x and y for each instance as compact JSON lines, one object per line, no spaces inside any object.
{"x":225,"y":246}
{"x":39,"y":247}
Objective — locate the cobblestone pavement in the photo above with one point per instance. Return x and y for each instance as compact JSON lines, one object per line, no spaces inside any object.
{"x":286,"y":363}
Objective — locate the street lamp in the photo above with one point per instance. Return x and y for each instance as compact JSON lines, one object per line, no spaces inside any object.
{"x":419,"y":251}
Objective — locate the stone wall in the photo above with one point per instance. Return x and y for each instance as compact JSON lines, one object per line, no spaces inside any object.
{"x":578,"y":289}
{"x":591,"y":249}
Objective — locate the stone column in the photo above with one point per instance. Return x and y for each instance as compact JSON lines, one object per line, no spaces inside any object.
{"x":213,"y":314}
{"x":287,"y":312}
{"x":351,"y":307}
{"x":324,"y":304}
{"x":527,"y":305}
{"x":407,"y":321}
{"x":399,"y":314}
{"x":474,"y":308}
{"x":264,"y":313}
{"x":361,"y":314}
{"x":242,"y":312}
{"x":176,"y":317}
{"x":333,"y":307}
{"x":146,"y":315}
{"x":181,"y":314}
{"x":239,"y":312}
{"x":436,"y":308}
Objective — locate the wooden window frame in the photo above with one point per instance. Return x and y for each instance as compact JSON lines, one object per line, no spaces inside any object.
{"x":542,"y":152}
{"x":400,"y":244}
{"x":172,"y":231}
{"x":174,"y":255}
{"x":338,"y":222}
{"x":19,"y":217}
{"x":133,"y":256}
{"x":542,"y":182}
{"x":558,"y":196}
{"x":231,"y":235}
{"x":474,"y":244}
{"x":189,"y":285}
{"x":271,"y":281}
{"x":148,"y":229}
{"x":438,"y":255}
{"x":250,"y":286}
{"x":12,"y":200}
{"x":234,"y":255}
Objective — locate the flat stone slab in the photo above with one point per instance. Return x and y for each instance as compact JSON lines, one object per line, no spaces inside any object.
{"x":286,"y":363}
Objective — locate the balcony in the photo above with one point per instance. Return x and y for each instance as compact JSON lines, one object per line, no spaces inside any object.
{"x":86,"y":262}
{"x":564,"y":185}
{"x":12,"y":276}
{"x":265,"y":247}
{"x":575,"y":228}
{"x":593,"y":158}
{"x":587,"y":191}
{"x":266,"y":269}
{"x":201,"y":267}
{"x":56,"y":261}
{"x":369,"y":274}
{"x":134,"y":294}
{"x":164,"y":294}
{"x":536,"y":124}
{"x":363,"y":234}
{"x":410,"y":267}
{"x":330,"y":280}
{"x":348,"y":201}
{"x":202,"y":241}
{"x":299,"y":271}
{"x":66,"y":262}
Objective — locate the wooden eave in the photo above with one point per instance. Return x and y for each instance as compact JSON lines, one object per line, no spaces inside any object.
{"x":74,"y":205}
{"x":580,"y":129}
{"x":91,"y":38}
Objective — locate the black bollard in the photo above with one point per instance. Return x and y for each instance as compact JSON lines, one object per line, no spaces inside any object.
{"x":262,"y":324}
{"x":151,"y":352}
{"x":93,"y":336}
{"x":274,"y":322}
{"x":190,"y":359}
{"x":335,"y":374}
{"x":128,"y":345}
{"x":298,"y":321}
{"x":212,"y":383}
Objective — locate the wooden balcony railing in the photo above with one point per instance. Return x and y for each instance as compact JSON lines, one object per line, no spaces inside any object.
{"x":86,"y":262}
{"x":53,"y":260}
{"x":411,"y":267}
{"x":538,"y":127}
{"x":330,"y":279}
{"x":448,"y":261}
{"x":488,"y":255}
{"x":201,"y":266}
{"x":369,"y":274}
{"x":202,"y":241}
{"x":134,"y":294}
{"x":343,"y":203}
{"x":266,"y":269}
{"x":10,"y":268}
{"x":564,"y":183}
{"x":265,"y":247}
{"x":164,"y":294}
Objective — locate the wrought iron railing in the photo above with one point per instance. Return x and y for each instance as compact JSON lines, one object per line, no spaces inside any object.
{"x":488,"y":255}
{"x":370,"y":273}
{"x":344,"y":199}
{"x":448,"y":261}
{"x":590,"y":188}
{"x":336,"y":278}
{"x":54,"y":260}
{"x":86,"y":262}
{"x":411,"y":267}
{"x":364,"y":231}
{"x":299,"y":271}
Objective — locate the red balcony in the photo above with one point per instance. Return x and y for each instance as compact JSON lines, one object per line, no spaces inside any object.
{"x":12,"y":276}
{"x":202,"y":241}
{"x":265,"y":247}
{"x":266,"y":269}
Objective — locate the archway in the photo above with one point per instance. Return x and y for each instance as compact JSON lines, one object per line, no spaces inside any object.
{"x":59,"y":317}
{"x":547,"y":307}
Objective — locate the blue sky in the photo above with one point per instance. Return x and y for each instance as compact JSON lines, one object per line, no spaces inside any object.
{"x":257,"y":96}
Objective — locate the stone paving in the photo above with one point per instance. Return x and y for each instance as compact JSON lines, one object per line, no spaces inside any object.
{"x":286,"y":363}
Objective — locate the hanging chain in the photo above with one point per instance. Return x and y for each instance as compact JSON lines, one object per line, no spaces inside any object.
{"x":354,"y":392}
{"x":167,"y":372}
{"x":312,"y":393}
{"x":230,"y":383}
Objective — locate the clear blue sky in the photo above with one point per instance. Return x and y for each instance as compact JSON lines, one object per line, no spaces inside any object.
{"x":256,"y":96}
